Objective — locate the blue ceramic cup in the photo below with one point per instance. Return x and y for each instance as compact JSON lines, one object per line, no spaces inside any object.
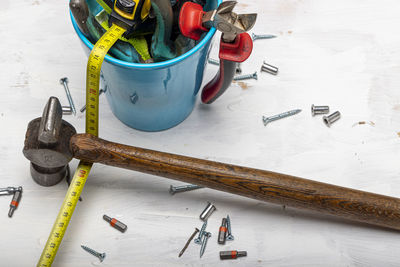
{"x":156,"y":96}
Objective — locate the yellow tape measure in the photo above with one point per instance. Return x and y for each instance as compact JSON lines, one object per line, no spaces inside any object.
{"x":95,"y":61}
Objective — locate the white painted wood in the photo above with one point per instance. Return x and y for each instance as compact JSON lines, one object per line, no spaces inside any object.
{"x":342,"y":53}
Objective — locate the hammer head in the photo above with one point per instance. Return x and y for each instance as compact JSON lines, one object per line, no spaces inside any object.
{"x":47,"y":145}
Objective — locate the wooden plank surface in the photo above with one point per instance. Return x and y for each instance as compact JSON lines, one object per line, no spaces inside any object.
{"x":341,"y":53}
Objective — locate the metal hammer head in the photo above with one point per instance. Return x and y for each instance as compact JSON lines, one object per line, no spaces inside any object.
{"x":47,"y":145}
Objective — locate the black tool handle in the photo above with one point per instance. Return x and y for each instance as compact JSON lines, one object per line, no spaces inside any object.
{"x":218,"y":85}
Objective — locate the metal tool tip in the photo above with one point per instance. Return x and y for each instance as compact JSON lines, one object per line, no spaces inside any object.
{"x":11,"y":212}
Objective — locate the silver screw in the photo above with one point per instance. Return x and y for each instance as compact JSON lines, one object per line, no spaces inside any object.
{"x":84,"y":107}
{"x":246,"y":77}
{"x":101,"y":256}
{"x":64,"y":81}
{"x":228,"y":225}
{"x":331,"y":118}
{"x":213,"y":61}
{"x":262,"y":36}
{"x":207,"y":235}
{"x":269,"y":68}
{"x":177,"y":189}
{"x":315,"y":110}
{"x":267,"y":120}
{"x":202,"y":231}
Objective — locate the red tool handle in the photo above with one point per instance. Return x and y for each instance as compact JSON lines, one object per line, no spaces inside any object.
{"x":229,"y":54}
{"x":191,"y":26}
{"x":191,"y":21}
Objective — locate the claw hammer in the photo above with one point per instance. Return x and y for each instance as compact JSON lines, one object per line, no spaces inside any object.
{"x":51,"y":143}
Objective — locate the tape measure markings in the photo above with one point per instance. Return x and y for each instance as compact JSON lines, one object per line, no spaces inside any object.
{"x":95,"y":61}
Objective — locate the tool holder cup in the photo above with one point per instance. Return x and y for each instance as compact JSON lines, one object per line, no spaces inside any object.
{"x":155,"y":96}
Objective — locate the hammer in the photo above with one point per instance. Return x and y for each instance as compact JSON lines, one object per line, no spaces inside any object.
{"x":51,"y":143}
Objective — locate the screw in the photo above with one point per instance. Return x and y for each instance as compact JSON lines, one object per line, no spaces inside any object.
{"x":213,"y":61}
{"x":331,"y":118}
{"x":64,"y":81}
{"x":101,"y":256}
{"x":188,"y":242}
{"x":177,"y":189}
{"x":202,"y":230}
{"x":207,"y":235}
{"x":267,"y":120}
{"x":228,"y":226}
{"x":246,"y":77}
{"x":269,"y":68}
{"x":262,"y":36}
{"x":315,"y":110}
{"x":84,"y":107}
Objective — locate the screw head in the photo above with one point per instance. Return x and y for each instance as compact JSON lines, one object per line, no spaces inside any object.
{"x":102,"y":256}
{"x":326,"y":121}
{"x":253,"y":36}
{"x":313,"y":109}
{"x":172,"y":190}
{"x":230,"y":238}
{"x":64,"y":79}
{"x":255,"y":76}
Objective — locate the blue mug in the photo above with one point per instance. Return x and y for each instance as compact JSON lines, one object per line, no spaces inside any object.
{"x":155,"y":96}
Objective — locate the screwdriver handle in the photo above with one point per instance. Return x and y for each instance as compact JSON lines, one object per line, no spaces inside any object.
{"x":253,"y":183}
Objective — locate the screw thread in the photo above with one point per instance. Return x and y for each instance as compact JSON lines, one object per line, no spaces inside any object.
{"x":101,"y":256}
{"x":262,"y":36}
{"x":202,"y":230}
{"x":204,"y":244}
{"x":91,"y":251}
{"x":245,"y":77}
{"x":213,"y":61}
{"x":228,"y":224}
{"x":183,"y":188}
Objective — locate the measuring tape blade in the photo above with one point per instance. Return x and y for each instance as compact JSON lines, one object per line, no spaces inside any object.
{"x":64,"y":216}
{"x":95,"y":61}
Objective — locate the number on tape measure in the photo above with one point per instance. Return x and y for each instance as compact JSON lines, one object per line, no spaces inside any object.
{"x":95,"y":61}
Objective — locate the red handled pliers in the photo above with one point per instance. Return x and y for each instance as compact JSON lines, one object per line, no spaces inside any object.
{"x":235,"y":45}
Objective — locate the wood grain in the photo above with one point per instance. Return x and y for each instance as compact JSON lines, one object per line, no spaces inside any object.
{"x":253,"y":183}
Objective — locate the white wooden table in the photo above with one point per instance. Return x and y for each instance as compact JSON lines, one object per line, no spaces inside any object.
{"x":342,"y":53}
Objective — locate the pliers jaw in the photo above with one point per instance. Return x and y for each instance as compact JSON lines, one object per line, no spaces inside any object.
{"x":228,"y":22}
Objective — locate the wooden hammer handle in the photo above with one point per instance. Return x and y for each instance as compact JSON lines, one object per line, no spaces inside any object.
{"x":253,"y":183}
